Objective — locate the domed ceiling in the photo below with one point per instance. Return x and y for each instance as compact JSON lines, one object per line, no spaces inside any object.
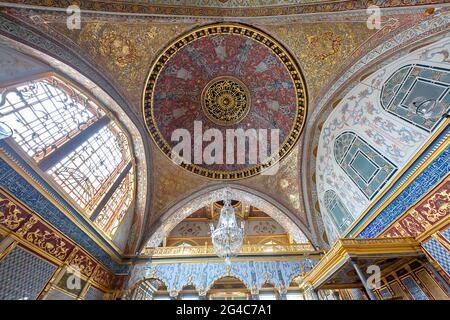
{"x":225,"y":77}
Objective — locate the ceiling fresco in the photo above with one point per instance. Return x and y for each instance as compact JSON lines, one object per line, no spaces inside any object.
{"x":125,"y":47}
{"x":125,"y":52}
{"x":225,"y":76}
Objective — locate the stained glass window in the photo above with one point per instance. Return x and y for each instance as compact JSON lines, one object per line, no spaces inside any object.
{"x":47,"y":114}
{"x":44,"y":114}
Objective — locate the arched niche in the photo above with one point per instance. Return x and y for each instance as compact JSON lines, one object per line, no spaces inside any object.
{"x":208,"y":195}
{"x":228,"y":288}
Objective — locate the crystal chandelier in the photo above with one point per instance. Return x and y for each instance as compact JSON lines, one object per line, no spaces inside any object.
{"x":227,"y":237}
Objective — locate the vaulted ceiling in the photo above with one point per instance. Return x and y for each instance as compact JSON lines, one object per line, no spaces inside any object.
{"x":123,"y":48}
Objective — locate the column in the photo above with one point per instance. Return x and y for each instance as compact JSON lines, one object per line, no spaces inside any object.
{"x":363,"y":280}
{"x":311,"y":294}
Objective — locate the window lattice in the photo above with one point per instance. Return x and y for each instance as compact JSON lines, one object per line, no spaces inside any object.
{"x":116,"y":207}
{"x":86,"y":172}
{"x":45,"y":113}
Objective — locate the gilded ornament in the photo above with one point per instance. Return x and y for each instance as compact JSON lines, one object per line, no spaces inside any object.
{"x":9,"y":214}
{"x":225,"y":100}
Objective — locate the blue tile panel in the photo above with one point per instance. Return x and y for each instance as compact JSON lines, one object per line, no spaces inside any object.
{"x":429,"y":178}
{"x":422,"y":184}
{"x":439,"y":253}
{"x":14,"y":183}
{"x":414,"y":289}
{"x":446,"y":234}
{"x":93,"y":294}
{"x":23,"y":275}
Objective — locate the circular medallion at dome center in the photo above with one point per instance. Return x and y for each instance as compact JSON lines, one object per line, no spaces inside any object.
{"x":225,"y":100}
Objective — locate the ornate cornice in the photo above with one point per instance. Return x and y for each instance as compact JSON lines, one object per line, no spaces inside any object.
{"x":202,"y":9}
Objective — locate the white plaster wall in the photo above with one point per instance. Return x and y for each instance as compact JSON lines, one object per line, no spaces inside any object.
{"x":16,"y":66}
{"x":360,"y":111}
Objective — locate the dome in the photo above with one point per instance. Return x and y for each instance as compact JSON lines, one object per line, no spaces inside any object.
{"x":225,"y":77}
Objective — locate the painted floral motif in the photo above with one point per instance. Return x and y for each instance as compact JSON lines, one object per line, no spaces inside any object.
{"x":361,"y":111}
{"x":121,"y":50}
{"x":324,"y":45}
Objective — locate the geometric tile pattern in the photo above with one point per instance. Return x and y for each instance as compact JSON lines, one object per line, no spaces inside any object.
{"x":412,"y":85}
{"x":414,"y":289}
{"x":446,"y":234}
{"x":23,"y":275}
{"x":365,"y":166}
{"x":439,"y":253}
{"x":93,"y":294}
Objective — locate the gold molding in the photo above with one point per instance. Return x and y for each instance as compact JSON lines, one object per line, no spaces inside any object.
{"x":345,"y":247}
{"x":59,"y":206}
{"x":208,"y":250}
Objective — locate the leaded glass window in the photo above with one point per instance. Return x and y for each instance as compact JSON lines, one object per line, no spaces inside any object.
{"x":87,"y":171}
{"x":47,"y":114}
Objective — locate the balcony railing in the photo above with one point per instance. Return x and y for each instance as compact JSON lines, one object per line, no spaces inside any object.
{"x":209,"y":250}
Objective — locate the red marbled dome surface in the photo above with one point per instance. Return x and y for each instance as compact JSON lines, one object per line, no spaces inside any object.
{"x":177,"y":90}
